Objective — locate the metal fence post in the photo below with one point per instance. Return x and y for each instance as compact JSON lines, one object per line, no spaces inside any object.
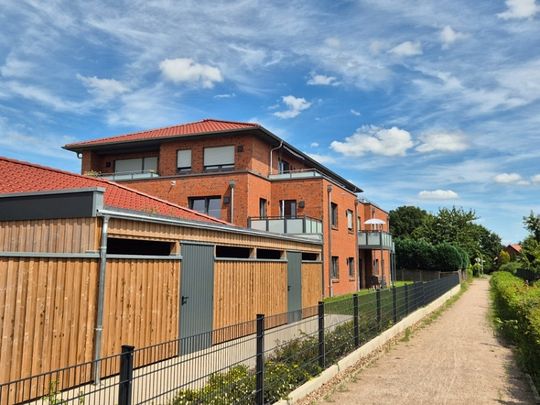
{"x":322,"y":355}
{"x":259,"y":362}
{"x":355,"y":321}
{"x":407,"y":299}
{"x":126,"y":375}
{"x":394,"y":305}
{"x":379,"y":314}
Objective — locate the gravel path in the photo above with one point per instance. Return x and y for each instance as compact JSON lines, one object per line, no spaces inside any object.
{"x":455,"y":360}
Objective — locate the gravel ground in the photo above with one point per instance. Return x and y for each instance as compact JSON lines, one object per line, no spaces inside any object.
{"x":455,"y":360}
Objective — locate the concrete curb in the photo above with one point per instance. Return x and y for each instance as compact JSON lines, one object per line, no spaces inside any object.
{"x":366,"y":349}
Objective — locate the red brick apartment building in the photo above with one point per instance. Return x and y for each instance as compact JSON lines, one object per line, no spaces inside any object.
{"x":242,"y":173}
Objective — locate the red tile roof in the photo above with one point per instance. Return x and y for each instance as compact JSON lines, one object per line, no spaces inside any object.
{"x":516,"y":247}
{"x":192,"y":128}
{"x":23,"y":177}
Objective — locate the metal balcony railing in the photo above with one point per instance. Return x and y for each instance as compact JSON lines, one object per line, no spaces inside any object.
{"x":296,"y":174}
{"x":375,"y":240}
{"x":135,"y":175}
{"x":292,"y":225}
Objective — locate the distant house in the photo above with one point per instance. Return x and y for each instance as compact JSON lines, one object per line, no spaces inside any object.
{"x":88,"y":265}
{"x":243,"y":173}
{"x":514,"y":249}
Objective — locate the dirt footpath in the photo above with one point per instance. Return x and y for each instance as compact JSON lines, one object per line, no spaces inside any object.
{"x":455,"y":360}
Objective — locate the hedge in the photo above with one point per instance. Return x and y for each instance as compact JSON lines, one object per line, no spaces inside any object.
{"x":517,"y":311}
{"x":418,"y":254}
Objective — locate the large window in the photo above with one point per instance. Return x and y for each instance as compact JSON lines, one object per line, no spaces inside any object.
{"x":349,"y":220}
{"x":138,"y":165}
{"x":287,"y":208}
{"x":206,"y":205}
{"x":334,"y":270}
{"x":183,"y":161}
{"x":219,"y":158}
{"x":334,"y":214}
{"x":283,"y":166}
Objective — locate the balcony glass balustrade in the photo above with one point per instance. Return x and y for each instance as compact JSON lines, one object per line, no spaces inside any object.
{"x":293,"y":225}
{"x":375,"y":240}
{"x":135,"y":175}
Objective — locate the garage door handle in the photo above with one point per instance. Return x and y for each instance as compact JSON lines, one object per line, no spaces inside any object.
{"x":184,"y":299}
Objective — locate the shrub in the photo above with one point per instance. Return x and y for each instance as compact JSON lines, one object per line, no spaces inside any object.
{"x":448,"y":257}
{"x":504,"y":258}
{"x":511,"y":267}
{"x":517,"y":307}
{"x":414,"y":254}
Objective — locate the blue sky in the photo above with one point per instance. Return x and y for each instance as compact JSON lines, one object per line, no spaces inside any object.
{"x":425,"y":103}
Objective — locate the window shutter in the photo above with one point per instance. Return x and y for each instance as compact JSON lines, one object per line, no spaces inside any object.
{"x":183,"y":159}
{"x":220,"y":156}
{"x":150,"y":163}
{"x":128,"y":165}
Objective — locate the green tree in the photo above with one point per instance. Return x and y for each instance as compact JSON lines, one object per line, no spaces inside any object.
{"x":530,"y":254}
{"x":405,"y":219}
{"x":448,"y":257}
{"x":532,"y":223}
{"x":504,"y":258}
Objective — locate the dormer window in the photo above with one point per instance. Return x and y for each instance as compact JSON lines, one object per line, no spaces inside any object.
{"x":219,"y":158}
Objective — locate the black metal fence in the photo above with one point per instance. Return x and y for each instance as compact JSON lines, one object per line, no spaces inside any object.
{"x":256,"y":362}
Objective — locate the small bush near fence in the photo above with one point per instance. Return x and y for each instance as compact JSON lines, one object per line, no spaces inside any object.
{"x":517,"y":311}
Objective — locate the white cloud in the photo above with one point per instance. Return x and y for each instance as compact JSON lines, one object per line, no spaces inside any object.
{"x":354,"y":112}
{"x":14,"y":67}
{"x":324,"y":159}
{"x":536,"y":179}
{"x":227,"y":95}
{"x":103,"y":89}
{"x":322,"y":80}
{"x":519,"y":9}
{"x":510,"y":178}
{"x":407,"y":48}
{"x":379,"y":141}
{"x":442,"y":142}
{"x":314,"y":144}
{"x":187,"y":70}
{"x":438,"y":195}
{"x":448,"y":36}
{"x":43,"y":96}
{"x":295,"y":105}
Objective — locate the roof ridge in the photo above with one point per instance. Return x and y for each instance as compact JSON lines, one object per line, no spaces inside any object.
{"x":256,"y":125}
{"x":35,"y":165}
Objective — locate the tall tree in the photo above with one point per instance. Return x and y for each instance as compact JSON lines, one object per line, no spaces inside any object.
{"x":532,"y":223}
{"x":405,"y":219}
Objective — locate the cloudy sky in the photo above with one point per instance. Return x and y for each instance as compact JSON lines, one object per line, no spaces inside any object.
{"x":425,"y":103}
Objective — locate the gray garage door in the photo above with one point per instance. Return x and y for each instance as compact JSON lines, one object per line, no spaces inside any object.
{"x":294,"y":281}
{"x":197,"y":297}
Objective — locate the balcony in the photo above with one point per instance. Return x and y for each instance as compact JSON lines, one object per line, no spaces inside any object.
{"x":125,"y":176}
{"x":375,"y":240}
{"x":296,"y":225}
{"x":296,"y":174}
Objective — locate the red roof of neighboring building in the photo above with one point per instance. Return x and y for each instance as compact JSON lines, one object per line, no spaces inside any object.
{"x":192,"y":128}
{"x":516,"y":247}
{"x":23,"y":177}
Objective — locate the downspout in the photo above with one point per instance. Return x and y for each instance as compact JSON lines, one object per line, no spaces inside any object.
{"x":231,"y":185}
{"x":271,"y":155}
{"x":100,"y":300}
{"x":329,"y":260}
{"x":356,"y":247}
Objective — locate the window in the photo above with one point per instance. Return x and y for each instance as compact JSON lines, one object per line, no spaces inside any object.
{"x":183,"y":161}
{"x":334,"y":269}
{"x":310,"y":257}
{"x":350,"y":265}
{"x":269,"y":254}
{"x":138,"y":247}
{"x":358,"y":224}
{"x":262,"y":207}
{"x":287,"y":208}
{"x":349,"y":220}
{"x":283,"y":166}
{"x":233,"y":252}
{"x":219,"y":158}
{"x":147,"y":164}
{"x":334,"y":214}
{"x":206,"y":205}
